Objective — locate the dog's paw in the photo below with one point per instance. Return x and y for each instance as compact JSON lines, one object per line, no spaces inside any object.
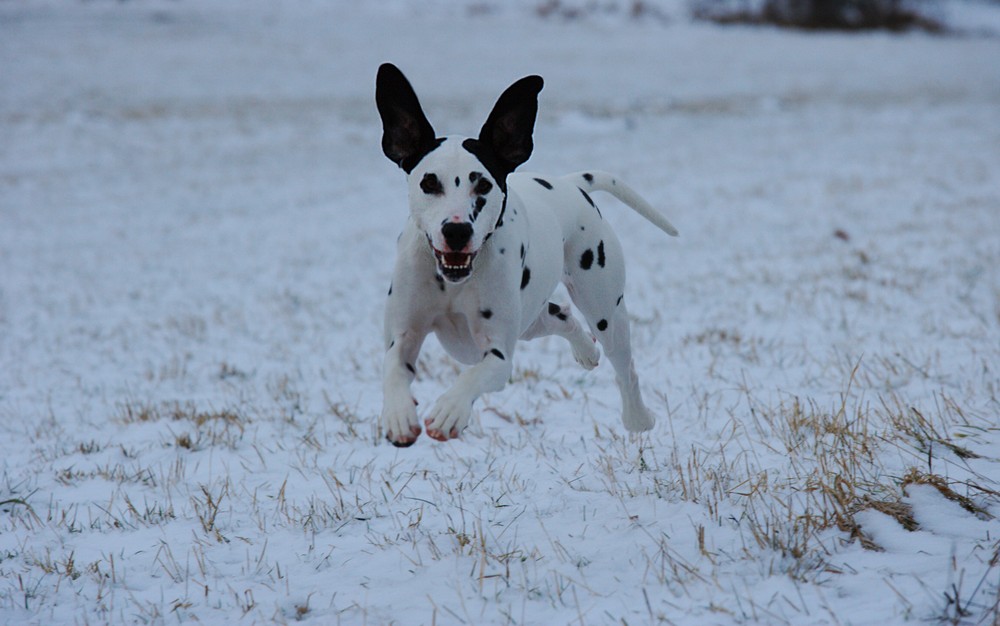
{"x":400,"y":423}
{"x":448,"y":418}
{"x":586,"y":353}
{"x":637,"y":418}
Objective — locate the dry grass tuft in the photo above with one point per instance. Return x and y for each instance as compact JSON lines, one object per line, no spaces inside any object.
{"x":916,"y":477}
{"x":210,"y":427}
{"x":835,"y":469}
{"x":911,"y":422}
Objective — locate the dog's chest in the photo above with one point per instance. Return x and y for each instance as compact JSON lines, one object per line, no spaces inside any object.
{"x":458,"y":322}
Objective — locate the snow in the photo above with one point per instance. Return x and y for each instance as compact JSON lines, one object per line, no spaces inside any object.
{"x":197,"y":229}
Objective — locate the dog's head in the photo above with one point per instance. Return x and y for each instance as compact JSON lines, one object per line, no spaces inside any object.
{"x":458,"y":186}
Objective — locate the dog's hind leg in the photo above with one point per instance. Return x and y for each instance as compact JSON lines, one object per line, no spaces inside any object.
{"x":615,"y":337}
{"x":595,"y":280}
{"x":558,"y":320}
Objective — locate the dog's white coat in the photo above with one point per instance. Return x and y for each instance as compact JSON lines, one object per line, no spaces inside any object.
{"x":555,"y":226}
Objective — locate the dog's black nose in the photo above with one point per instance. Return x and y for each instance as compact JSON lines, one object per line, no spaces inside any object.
{"x":457,"y":235}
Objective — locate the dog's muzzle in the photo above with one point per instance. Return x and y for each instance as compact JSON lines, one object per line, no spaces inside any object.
{"x":455,"y":267}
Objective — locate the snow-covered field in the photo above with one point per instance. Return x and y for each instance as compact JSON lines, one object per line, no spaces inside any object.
{"x":197,"y":227}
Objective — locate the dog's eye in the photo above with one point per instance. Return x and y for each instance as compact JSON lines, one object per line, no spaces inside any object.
{"x":483,"y":187}
{"x":430,"y":184}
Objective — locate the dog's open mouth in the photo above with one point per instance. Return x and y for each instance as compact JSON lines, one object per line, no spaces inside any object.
{"x":454,"y":266}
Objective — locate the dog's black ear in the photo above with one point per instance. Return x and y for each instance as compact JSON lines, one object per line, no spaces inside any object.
{"x":406,"y":134}
{"x":507,"y":131}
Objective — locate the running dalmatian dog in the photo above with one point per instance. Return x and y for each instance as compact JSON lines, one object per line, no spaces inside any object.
{"x":482,"y":252}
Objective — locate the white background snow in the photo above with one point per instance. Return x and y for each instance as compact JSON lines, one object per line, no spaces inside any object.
{"x":197,"y":227}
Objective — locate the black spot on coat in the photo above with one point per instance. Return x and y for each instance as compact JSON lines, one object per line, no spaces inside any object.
{"x":409,"y":366}
{"x":430,"y":184}
{"x":602,"y":325}
{"x":588,"y":198}
{"x":483,"y":187}
{"x":525,"y":278}
{"x":544,"y":183}
{"x":495,"y":166}
{"x":480,"y":203}
{"x":556,"y":310}
{"x":497,"y":354}
{"x":486,"y":313}
{"x":588,"y":177}
{"x":586,"y":259}
{"x":600,"y":254}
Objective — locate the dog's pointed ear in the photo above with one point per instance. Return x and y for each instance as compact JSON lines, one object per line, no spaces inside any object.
{"x":507,"y":131}
{"x":406,"y":134}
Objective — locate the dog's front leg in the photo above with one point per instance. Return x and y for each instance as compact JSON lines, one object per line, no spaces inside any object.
{"x":399,"y":407}
{"x":451,"y":412}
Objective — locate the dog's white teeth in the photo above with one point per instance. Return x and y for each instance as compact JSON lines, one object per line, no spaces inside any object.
{"x":454,"y":261}
{"x":461,"y":265}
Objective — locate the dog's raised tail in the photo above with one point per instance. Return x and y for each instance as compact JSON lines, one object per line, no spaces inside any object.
{"x":592,"y":180}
